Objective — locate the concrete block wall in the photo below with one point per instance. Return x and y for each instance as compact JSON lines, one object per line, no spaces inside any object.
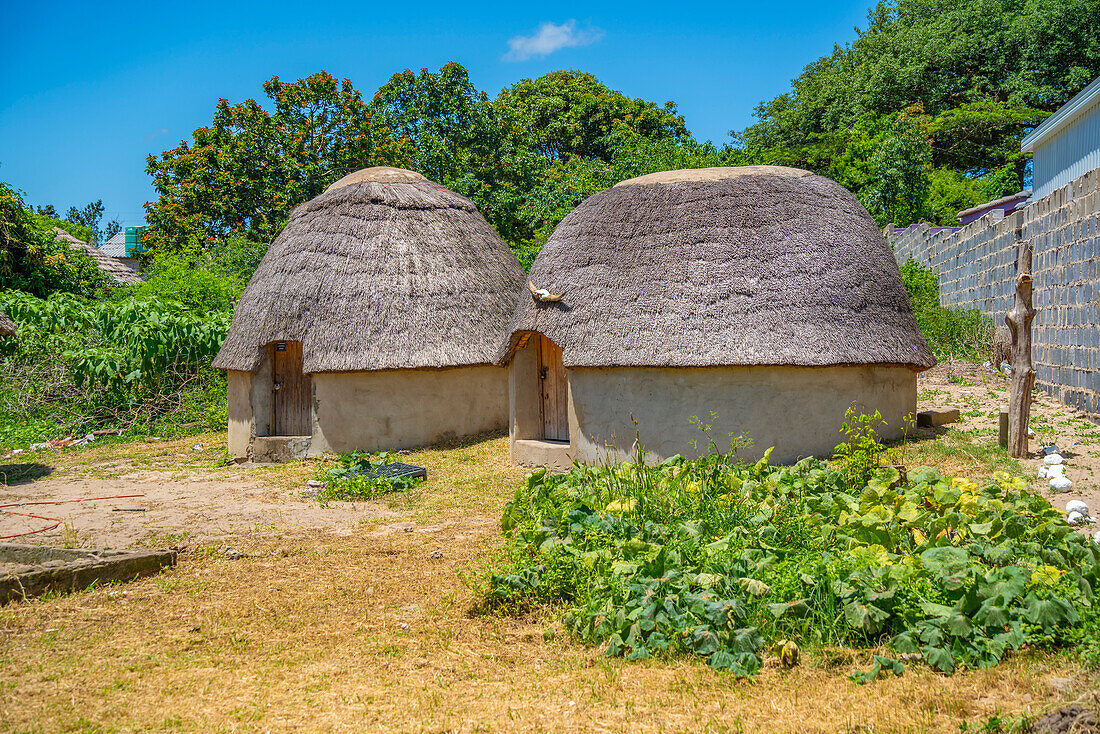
{"x":977,"y":269}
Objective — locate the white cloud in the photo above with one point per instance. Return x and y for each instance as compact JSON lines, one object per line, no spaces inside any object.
{"x":549,"y":38}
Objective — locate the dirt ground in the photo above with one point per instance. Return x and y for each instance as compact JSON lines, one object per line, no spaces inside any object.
{"x":979,"y":393}
{"x":359,"y":616}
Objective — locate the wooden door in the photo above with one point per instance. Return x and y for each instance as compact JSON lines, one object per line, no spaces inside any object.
{"x":292,"y":391}
{"x":554,"y":392}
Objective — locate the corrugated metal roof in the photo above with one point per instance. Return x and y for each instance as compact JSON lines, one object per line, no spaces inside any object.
{"x":1065,"y":114}
{"x":115,"y":246}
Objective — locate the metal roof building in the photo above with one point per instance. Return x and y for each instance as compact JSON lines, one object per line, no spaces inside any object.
{"x":115,"y":246}
{"x":1067,"y":145}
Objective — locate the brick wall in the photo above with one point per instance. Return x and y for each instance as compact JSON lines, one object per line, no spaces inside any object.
{"x":977,"y":267}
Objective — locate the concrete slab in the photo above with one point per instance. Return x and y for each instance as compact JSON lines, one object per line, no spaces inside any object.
{"x":30,"y":570}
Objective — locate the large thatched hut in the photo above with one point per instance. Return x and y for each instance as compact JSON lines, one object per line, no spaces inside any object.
{"x":760,"y":301}
{"x":373,"y":322}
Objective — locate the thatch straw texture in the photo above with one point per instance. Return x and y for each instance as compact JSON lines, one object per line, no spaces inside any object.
{"x":7,"y":326}
{"x":760,"y":265}
{"x":387,"y":271}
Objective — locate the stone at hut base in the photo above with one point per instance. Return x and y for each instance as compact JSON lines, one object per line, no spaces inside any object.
{"x":933,"y":418}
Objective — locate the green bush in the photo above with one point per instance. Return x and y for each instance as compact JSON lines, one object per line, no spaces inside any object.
{"x":33,"y":260}
{"x":79,"y":365}
{"x":204,"y":280}
{"x":951,"y":333}
{"x":721,"y":559}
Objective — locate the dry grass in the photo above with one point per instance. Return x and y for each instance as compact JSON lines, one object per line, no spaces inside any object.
{"x":314,"y":631}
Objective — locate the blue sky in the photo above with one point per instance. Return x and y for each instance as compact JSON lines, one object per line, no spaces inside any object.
{"x":87,"y":90}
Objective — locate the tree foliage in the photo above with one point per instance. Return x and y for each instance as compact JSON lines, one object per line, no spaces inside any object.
{"x":247,"y":170}
{"x":89,"y":218}
{"x":941,"y":87}
{"x":31,"y":257}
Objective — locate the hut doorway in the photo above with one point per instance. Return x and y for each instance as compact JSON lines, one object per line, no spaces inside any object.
{"x":553,"y":391}
{"x":291,"y":391}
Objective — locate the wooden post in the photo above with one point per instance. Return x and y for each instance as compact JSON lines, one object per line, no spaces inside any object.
{"x":1023,"y":374}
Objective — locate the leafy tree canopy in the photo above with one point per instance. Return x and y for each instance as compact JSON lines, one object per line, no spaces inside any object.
{"x":31,"y":257}
{"x":932,"y":92}
{"x":247,"y":170}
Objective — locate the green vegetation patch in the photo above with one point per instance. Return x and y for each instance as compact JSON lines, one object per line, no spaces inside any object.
{"x":356,"y":480}
{"x":951,"y":333}
{"x":79,"y":364}
{"x":723,"y":559}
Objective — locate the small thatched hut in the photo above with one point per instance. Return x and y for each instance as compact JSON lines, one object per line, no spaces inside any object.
{"x":373,"y":322}
{"x":7,"y":326}
{"x":759,"y":300}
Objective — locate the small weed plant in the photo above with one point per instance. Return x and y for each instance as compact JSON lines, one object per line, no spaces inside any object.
{"x":356,"y":479}
{"x":724,"y":559}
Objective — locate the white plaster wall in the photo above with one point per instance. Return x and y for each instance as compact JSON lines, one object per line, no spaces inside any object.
{"x":796,"y":409}
{"x":399,"y":409}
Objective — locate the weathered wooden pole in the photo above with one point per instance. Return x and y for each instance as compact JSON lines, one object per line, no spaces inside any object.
{"x":1023,"y":374}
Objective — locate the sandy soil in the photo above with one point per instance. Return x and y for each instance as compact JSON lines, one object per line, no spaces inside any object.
{"x":176,"y":509}
{"x":979,"y":393}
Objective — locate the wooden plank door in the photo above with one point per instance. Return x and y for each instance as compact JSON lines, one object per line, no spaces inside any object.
{"x":554,"y":392}
{"x":292,"y":391}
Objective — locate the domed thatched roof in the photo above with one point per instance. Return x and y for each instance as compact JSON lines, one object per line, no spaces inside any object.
{"x":760,"y":265}
{"x":7,"y":326}
{"x":384,"y":270}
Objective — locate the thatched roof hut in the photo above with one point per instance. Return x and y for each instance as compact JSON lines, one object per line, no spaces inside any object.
{"x":121,"y":271}
{"x":752,"y":267}
{"x":384,"y":271}
{"x":756,"y":265}
{"x":7,"y":326}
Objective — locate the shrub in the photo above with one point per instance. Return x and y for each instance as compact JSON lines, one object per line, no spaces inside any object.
{"x":78,"y":364}
{"x":33,"y":260}
{"x":207,"y":280}
{"x":720,"y":559}
{"x":951,"y":333}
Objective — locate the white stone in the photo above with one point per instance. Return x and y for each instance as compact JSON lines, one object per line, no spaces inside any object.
{"x":1044,"y":472}
{"x":1077,"y":506}
{"x":1060,"y":484}
{"x":1052,"y":459}
{"x":1075,"y":518}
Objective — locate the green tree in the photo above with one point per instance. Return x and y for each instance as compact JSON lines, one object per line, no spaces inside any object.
{"x":33,"y":260}
{"x":984,"y":72}
{"x":89,"y":217}
{"x":245,"y":172}
{"x":566,"y":113}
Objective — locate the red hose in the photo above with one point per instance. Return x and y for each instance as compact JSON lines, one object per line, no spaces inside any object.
{"x":55,"y":520}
